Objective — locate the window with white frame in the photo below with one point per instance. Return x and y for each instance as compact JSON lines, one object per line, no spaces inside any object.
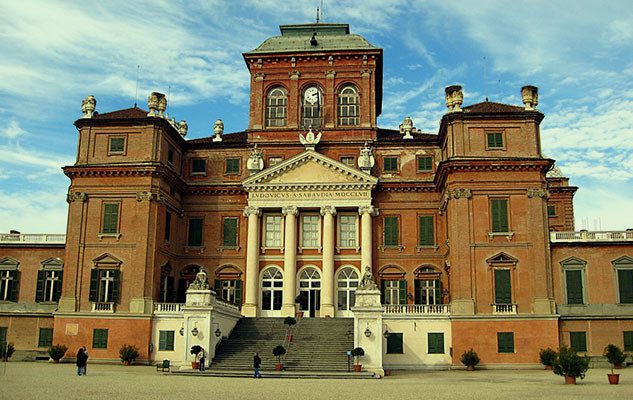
{"x":272,"y":231}
{"x":347,"y":283}
{"x":310,"y":231}
{"x":391,"y":290}
{"x":49,"y":281}
{"x":574,"y":275}
{"x":272,"y":289}
{"x":9,"y":279}
{"x":624,"y":275}
{"x":347,"y":230}
{"x":104,"y":285}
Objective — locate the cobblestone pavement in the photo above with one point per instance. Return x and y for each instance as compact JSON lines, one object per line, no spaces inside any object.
{"x":40,"y":380}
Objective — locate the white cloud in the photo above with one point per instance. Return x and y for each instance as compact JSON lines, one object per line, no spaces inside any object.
{"x":34,"y":211}
{"x":12,"y":130}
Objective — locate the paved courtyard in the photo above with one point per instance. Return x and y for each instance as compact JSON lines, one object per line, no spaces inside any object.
{"x":39,"y":380}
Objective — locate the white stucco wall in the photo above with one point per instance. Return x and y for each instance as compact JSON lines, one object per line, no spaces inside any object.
{"x":415,"y":342}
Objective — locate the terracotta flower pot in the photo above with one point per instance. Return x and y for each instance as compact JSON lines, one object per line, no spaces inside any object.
{"x":570,"y":380}
{"x":195,"y":365}
{"x":614,"y":379}
{"x":279,"y":367}
{"x":357,"y":367}
{"x":549,"y":368}
{"x":289,"y":338}
{"x":470,"y":368}
{"x":127,"y":363}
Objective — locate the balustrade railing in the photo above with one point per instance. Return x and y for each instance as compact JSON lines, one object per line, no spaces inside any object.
{"x":504,"y":308}
{"x":35,"y":238}
{"x":105,"y":307}
{"x":420,"y":309}
{"x":168,"y":308}
{"x":591,"y":236}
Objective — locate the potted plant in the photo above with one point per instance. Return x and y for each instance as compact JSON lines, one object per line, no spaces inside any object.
{"x":278,"y":352}
{"x":57,"y":351}
{"x":6,"y":351}
{"x":301,"y":298}
{"x":357,"y":353}
{"x":470,"y":358}
{"x":548,"y":358}
{"x":128,"y":354}
{"x":570,"y":365}
{"x":290,"y":321}
{"x":195,"y":350}
{"x":616,"y":357}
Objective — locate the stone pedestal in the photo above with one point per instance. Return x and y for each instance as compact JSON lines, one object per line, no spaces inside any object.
{"x":368,"y":318}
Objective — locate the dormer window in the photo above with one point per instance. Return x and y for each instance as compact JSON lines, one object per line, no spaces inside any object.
{"x":312,"y":110}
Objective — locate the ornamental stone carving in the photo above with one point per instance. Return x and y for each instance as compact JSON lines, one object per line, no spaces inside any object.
{"x":294,"y":75}
{"x":366,"y":160}
{"x":454,"y":98}
{"x":251,"y":210}
{"x":310,"y":140}
{"x":407,"y":128}
{"x":367,"y":281}
{"x":76,"y":196}
{"x":255,"y":162}
{"x":157,"y":104}
{"x":460,"y":193}
{"x":530,"y":97}
{"x":144,"y":196}
{"x":259,"y":76}
{"x":365,"y":73}
{"x":371,"y":210}
{"x":290,"y":210}
{"x":183,"y":128}
{"x":218,"y":130}
{"x":328,"y":210}
{"x":201,"y":282}
{"x":88,"y":106}
{"x":539,"y":192}
{"x":330,"y":74}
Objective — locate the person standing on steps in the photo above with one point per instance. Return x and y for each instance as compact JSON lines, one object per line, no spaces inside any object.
{"x":256,"y":363}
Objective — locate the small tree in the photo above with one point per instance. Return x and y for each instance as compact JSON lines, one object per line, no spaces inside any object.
{"x":571,"y":364}
{"x":278,"y":352}
{"x":128,"y":353}
{"x":614,"y":355}
{"x":470,"y":358}
{"x":548,"y":357}
{"x":57,"y":351}
{"x":196,"y":350}
{"x":6,"y":351}
{"x":290,"y":321}
{"x":357,"y":353}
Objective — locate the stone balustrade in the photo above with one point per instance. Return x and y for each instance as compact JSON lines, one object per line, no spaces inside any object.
{"x":168,"y":308}
{"x":36,"y":238}
{"x":504,"y":309}
{"x":104,"y":307}
{"x":591,"y":236}
{"x":418,"y":309}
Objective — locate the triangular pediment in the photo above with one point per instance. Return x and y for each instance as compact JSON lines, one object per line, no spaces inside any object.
{"x":624,"y":260}
{"x":9,"y":263}
{"x":502,"y":258}
{"x":107,"y":260}
{"x":53,"y":262}
{"x":310,"y":169}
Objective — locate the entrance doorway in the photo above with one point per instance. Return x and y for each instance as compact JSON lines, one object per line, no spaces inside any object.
{"x":310,"y":291}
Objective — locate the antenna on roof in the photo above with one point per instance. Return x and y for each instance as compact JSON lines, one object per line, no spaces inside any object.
{"x":136,"y":94}
{"x":317,"y":15}
{"x":485,"y":82}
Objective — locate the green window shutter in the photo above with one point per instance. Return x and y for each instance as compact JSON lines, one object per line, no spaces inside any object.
{"x":162,"y":340}
{"x":495,"y":140}
{"x":110,"y":218}
{"x":39,"y":288}
{"x":391,"y":164}
{"x":402,"y":292}
{"x":195,"y":232}
{"x":417,"y":291}
{"x":168,"y":226}
{"x":435,"y":343}
{"x":232,"y":165}
{"x":628,"y":340}
{"x":230,"y":232}
{"x":438,"y":292}
{"x":15,"y":285}
{"x":116,"y":283}
{"x":58,"y":289}
{"x":625,"y":281}
{"x":217,"y":286}
{"x":390,"y":232}
{"x":426,"y":230}
{"x":505,"y":342}
{"x":425,"y":163}
{"x":100,"y":339}
{"x":382,"y":291}
{"x":171,"y":294}
{"x":117,"y":145}
{"x":46,"y":337}
{"x":573,"y":280}
{"x":551,"y":210}
{"x":170,"y":340}
{"x":94,"y":284}
{"x":499,"y":215}
{"x":198,"y":166}
{"x":238,"y":292}
{"x":503,"y":289}
{"x":394,"y":343}
{"x":578,"y":341}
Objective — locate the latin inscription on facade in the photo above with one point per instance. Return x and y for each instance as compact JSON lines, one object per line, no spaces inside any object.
{"x":356,"y":197}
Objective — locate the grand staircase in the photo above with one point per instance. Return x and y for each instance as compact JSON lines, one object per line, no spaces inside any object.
{"x":318,"y":344}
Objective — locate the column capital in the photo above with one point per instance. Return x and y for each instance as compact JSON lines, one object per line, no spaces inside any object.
{"x":76,"y":196}
{"x":290,"y":210}
{"x":328,"y":210}
{"x":252,"y":210}
{"x":371,"y":210}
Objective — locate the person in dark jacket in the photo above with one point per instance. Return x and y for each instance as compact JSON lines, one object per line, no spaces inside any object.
{"x":82,"y":360}
{"x":256,"y":363}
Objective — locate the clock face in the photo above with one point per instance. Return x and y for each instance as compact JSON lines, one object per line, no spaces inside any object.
{"x":311,"y":95}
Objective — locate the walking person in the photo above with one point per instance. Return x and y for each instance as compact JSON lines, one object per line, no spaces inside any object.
{"x":86,"y":364}
{"x":256,"y":363}
{"x":203,"y":359}
{"x":82,"y":359}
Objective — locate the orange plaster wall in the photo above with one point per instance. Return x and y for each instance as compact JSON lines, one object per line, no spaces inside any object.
{"x":529,"y":337}
{"x":600,"y":333}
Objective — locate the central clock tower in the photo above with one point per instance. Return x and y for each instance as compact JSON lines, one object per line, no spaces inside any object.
{"x":314,"y":75}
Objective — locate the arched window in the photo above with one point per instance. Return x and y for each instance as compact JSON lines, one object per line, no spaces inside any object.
{"x":312,"y":107}
{"x":228,"y":284}
{"x":348,"y":106}
{"x":276,"y":107}
{"x":346,"y":285}
{"x":272,"y":289}
{"x":310,"y":291}
{"x":428,"y":286}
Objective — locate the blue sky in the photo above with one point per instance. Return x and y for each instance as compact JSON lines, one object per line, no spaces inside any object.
{"x":55,"y":53}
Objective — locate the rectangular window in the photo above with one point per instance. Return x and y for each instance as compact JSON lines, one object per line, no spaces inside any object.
{"x":391,"y":235}
{"x":425,"y":164}
{"x":625,"y":283}
{"x":273,"y":231}
{"x":167,"y":226}
{"x":394,"y":343}
{"x":198,"y":166}
{"x":428,"y":291}
{"x":578,"y":341}
{"x":3,"y":336}
{"x":195,"y":232}
{"x":9,"y":284}
{"x":170,"y":156}
{"x":104,"y":285}
{"x":310,"y":231}
{"x":499,"y":215}
{"x":165,"y":340}
{"x":49,"y":285}
{"x":274,"y":161}
{"x":347,"y":230}
{"x":229,"y":290}
{"x":426,"y":232}
{"x":110,"y":218}
{"x":229,"y":237}
{"x":503,"y":288}
{"x":505,"y":342}
{"x":436,"y":343}
{"x":46,"y":337}
{"x":116,"y":145}
{"x":573,"y":285}
{"x":232,"y":166}
{"x":100,"y":339}
{"x":391,"y":164}
{"x":349,"y":161}
{"x":495,"y":140}
{"x":394,"y":291}
{"x":628,"y":340}
{"x":551,"y":210}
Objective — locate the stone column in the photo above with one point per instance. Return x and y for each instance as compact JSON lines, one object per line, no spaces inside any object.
{"x":290,"y":260}
{"x":327,"y":277}
{"x":249,"y":309}
{"x":366,"y":212}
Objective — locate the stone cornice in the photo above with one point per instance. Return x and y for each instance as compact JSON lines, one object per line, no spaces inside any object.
{"x":151,"y":169}
{"x":523,"y":164}
{"x":216,"y":190}
{"x":406,"y":187}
